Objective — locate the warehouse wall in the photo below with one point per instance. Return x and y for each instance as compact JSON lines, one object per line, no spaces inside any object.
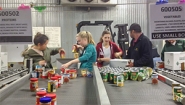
{"x":128,"y":11}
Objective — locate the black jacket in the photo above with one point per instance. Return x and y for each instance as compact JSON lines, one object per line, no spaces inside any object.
{"x":141,"y":52}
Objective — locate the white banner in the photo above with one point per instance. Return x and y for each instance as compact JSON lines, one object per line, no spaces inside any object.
{"x":15,"y":26}
{"x":167,"y":21}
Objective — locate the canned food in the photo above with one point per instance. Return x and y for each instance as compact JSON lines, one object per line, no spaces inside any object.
{"x":125,"y":74}
{"x":84,"y":72}
{"x":150,"y":70}
{"x":120,"y":81}
{"x":51,"y":86}
{"x":111,"y":78}
{"x":33,"y":84}
{"x":108,"y":76}
{"x":141,"y":76}
{"x":105,"y":76}
{"x":173,"y":85}
{"x":66,"y":78}
{"x":73,"y":74}
{"x":134,"y":75}
{"x":115,"y":78}
{"x":177,"y":91}
{"x":76,"y":55}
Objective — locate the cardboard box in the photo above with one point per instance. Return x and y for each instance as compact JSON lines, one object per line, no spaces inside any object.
{"x":173,"y":60}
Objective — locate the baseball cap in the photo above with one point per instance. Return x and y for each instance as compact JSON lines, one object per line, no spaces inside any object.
{"x":136,"y":27}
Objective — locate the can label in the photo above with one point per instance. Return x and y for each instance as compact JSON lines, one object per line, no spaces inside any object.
{"x":84,"y":73}
{"x":105,"y":76}
{"x":33,"y":85}
{"x":120,"y":80}
{"x":125,"y":74}
{"x":115,"y":79}
{"x":177,"y":92}
{"x":134,"y":76}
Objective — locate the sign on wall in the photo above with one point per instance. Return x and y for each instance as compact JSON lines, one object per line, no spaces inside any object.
{"x":167,"y":21}
{"x":15,"y":26}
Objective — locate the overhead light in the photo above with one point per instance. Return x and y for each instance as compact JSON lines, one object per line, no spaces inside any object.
{"x":88,"y":0}
{"x":72,"y":0}
{"x":105,"y":0}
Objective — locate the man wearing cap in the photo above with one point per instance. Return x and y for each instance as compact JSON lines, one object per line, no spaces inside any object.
{"x":140,"y":48}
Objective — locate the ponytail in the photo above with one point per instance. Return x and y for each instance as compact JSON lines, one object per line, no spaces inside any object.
{"x":88,"y":35}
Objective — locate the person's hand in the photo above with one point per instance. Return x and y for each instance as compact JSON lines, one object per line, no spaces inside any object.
{"x":61,"y":50}
{"x":99,"y":60}
{"x":130,"y":64}
{"x":42,"y":63}
{"x":79,"y":46}
{"x":117,"y":55}
{"x":66,"y":65}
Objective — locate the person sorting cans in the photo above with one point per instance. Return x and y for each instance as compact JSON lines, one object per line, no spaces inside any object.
{"x":39,"y":52}
{"x":140,"y":48}
{"x":88,"y":56}
{"x":106,"y":50}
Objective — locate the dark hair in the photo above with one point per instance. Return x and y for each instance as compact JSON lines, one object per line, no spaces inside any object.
{"x":136,"y":27}
{"x":103,"y":33}
{"x":40,"y":38}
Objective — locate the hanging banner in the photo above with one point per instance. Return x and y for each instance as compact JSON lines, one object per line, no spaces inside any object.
{"x":167,"y":21}
{"x":15,"y":26}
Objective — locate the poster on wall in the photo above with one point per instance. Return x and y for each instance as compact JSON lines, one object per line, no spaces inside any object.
{"x":15,"y":26}
{"x":167,"y":21}
{"x":54,"y":35}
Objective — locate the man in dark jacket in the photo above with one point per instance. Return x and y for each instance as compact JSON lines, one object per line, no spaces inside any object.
{"x":140,"y":48}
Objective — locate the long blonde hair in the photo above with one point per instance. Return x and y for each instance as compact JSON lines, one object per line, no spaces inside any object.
{"x":86,"y":34}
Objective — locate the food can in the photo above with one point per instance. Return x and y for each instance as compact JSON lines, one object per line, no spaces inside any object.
{"x":51,"y":86}
{"x":105,"y":76}
{"x":177,"y":91}
{"x":76,"y":55}
{"x":66,"y":78}
{"x":134,"y":75}
{"x":111,"y":78}
{"x":120,"y":81}
{"x":126,"y":74}
{"x":115,"y":78}
{"x":173,"y":85}
{"x":141,"y":76}
{"x":108,"y":76}
{"x":84,"y":72}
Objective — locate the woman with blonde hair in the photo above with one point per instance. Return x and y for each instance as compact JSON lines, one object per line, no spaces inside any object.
{"x":88,"y":56}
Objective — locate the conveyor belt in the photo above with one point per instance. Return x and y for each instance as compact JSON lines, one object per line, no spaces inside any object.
{"x":79,"y":91}
{"x":140,"y":93}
